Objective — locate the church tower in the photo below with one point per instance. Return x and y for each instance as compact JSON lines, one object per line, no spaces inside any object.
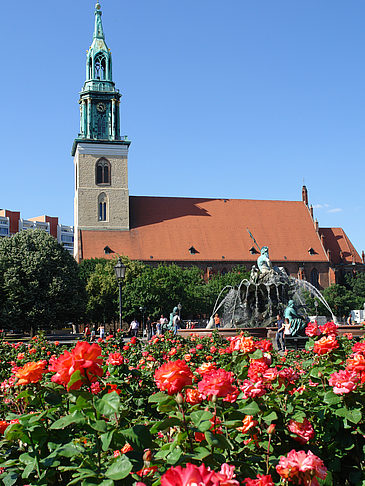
{"x":100,"y":155}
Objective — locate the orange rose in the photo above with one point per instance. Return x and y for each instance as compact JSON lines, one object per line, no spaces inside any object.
{"x":325,"y":344}
{"x":248,"y":423}
{"x":193,"y":396}
{"x":356,"y":363}
{"x":173,"y":376}
{"x":242,"y":343}
{"x":205,"y":368}
{"x":31,"y":372}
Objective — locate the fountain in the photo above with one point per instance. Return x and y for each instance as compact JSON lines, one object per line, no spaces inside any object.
{"x":268,"y":292}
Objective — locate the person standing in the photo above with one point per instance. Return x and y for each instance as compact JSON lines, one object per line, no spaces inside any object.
{"x":133,"y":328}
{"x":149,"y":328}
{"x":217,"y":321}
{"x":87,"y":332}
{"x":163,"y":322}
{"x":176,"y":322}
{"x":101,"y":331}
{"x":93,"y":333}
{"x":279,"y":338}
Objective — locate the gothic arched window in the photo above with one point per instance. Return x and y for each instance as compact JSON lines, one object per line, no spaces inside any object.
{"x":314,"y":278}
{"x":100,"y":67}
{"x":103,"y":172}
{"x":103,"y":207}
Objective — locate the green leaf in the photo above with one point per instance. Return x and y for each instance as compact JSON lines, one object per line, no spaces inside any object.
{"x":354,"y":416}
{"x":200,"y":453}
{"x":217,"y":440}
{"x":257,"y":354}
{"x":174,"y":456}
{"x":108,"y":404}
{"x":106,"y":439}
{"x":27,"y":458}
{"x":69,"y":450}
{"x":158,"y":397}
{"x":28,"y":469}
{"x":309,"y":345}
{"x":250,"y":409}
{"x":201,"y":420}
{"x":120,"y":469}
{"x":75,"y":418}
{"x":331,"y":398}
{"x":10,"y":478}
{"x":99,"y":425}
{"x":165,"y":424}
{"x":271,"y":417}
{"x":139,"y":437}
{"x":75,"y":377}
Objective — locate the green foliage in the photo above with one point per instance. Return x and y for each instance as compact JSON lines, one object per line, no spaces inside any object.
{"x":39,"y":282}
{"x":158,"y":289}
{"x":126,"y":430}
{"x":342,"y":298}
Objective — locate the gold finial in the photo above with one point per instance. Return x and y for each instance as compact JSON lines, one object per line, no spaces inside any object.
{"x":97,"y":6}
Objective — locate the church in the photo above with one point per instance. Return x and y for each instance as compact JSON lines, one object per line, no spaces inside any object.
{"x":213,"y":234}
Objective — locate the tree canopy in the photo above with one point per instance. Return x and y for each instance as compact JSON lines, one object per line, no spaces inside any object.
{"x":157,"y":289}
{"x":40,"y":284}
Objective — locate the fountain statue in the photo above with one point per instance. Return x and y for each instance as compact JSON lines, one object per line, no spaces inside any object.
{"x":268,"y":292}
{"x":297,"y":323}
{"x":170,"y":325}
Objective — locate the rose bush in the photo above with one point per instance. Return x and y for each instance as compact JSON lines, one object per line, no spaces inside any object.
{"x":174,"y":411}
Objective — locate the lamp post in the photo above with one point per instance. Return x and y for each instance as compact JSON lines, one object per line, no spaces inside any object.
{"x":119,"y":270}
{"x":179,"y":306}
{"x":143,"y":310}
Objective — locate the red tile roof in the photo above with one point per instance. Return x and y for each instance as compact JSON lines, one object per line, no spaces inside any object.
{"x":164,"y":228}
{"x":336,"y":240}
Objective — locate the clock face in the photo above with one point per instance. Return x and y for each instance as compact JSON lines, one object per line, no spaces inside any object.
{"x":101,"y":107}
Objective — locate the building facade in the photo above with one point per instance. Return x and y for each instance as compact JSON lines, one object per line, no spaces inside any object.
{"x":11,"y":223}
{"x":209,"y":233}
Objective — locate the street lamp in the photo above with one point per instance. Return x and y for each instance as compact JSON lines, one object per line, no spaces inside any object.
{"x":143,"y":310}
{"x":119,"y":270}
{"x":179,"y":306}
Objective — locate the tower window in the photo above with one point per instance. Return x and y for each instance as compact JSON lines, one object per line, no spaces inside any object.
{"x":102,"y":207}
{"x":101,"y":128}
{"x":102,"y":172}
{"x":100,"y":67}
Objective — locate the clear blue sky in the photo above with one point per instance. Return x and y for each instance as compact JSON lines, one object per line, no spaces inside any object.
{"x":234,"y":99}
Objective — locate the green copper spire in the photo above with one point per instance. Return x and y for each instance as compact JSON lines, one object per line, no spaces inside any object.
{"x":99,"y":99}
{"x":98,"y":31}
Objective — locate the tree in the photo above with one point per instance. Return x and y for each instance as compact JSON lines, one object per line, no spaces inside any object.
{"x":158,"y":289}
{"x":39,"y":282}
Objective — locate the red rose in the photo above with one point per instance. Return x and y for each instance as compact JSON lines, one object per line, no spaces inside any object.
{"x":217,"y":383}
{"x":261,"y":480}
{"x":329,"y":328}
{"x":173,"y":376}
{"x":303,"y":467}
{"x":194,"y":475}
{"x":312,"y":329}
{"x":85,"y":358}
{"x":303,"y":430}
{"x":115,"y":359}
